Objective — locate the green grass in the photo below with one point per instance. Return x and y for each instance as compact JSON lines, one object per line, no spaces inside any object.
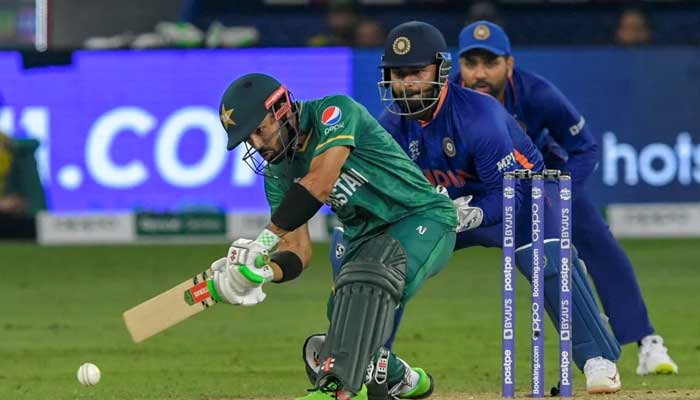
{"x":61,"y":306}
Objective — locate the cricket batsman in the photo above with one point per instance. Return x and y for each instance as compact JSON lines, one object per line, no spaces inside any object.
{"x":565,"y":139}
{"x":400,"y":231}
{"x":464,"y":141}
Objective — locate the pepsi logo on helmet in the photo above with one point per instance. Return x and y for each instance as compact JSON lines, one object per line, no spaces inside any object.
{"x":331,"y":115}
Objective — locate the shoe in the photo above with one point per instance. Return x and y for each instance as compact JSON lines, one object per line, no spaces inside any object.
{"x":423,"y":388}
{"x":331,"y":394}
{"x":410,"y":388}
{"x":601,"y":376}
{"x":653,"y":357}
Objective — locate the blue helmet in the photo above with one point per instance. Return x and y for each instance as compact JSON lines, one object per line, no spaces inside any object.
{"x":413,"y":44}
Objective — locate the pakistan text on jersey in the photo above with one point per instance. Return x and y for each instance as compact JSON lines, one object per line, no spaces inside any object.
{"x":346,"y":185}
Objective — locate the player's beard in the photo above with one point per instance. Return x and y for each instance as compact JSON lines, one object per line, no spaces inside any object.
{"x":494,"y":89}
{"x":420,"y":106}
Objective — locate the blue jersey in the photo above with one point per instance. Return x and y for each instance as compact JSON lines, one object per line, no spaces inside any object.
{"x":467,"y":146}
{"x":552,"y":122}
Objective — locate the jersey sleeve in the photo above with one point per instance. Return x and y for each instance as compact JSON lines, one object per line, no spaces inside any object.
{"x":340,"y":119}
{"x":493,"y":155}
{"x":566,"y":126}
{"x":275,"y":188}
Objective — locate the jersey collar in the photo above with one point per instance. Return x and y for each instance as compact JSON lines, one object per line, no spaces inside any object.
{"x":305,"y":126}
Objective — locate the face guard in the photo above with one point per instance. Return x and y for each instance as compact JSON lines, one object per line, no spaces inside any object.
{"x":402,"y":103}
{"x":280,"y":103}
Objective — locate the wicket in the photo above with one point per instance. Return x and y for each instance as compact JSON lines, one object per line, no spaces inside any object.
{"x":538,"y":264}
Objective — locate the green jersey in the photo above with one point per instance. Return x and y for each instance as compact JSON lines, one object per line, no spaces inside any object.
{"x":378,"y":184}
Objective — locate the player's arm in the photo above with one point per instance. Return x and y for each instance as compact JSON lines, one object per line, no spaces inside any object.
{"x":304,"y":199}
{"x":298,"y":206}
{"x":493,"y":155}
{"x":567,"y":127}
{"x":287,"y":230}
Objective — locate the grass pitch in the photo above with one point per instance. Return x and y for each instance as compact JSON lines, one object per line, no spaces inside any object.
{"x":62,"y":307}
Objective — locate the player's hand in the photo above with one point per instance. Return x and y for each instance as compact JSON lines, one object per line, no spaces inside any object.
{"x":240,"y":284}
{"x":468,"y":217}
{"x":442,"y":190}
{"x":248,"y":252}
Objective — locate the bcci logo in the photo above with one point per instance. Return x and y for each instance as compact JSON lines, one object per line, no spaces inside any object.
{"x":536,"y":193}
{"x":565,"y":194}
{"x":401,"y":45}
{"x":509,"y":192}
{"x":482,"y":32}
{"x":448,"y":146}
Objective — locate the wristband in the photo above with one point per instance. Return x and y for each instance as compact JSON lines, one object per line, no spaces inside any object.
{"x":290,"y":264}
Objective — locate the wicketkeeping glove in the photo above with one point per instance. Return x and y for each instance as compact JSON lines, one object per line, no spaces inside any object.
{"x":468,"y":217}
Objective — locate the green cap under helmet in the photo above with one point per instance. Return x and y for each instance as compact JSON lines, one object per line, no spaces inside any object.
{"x":246,"y":102}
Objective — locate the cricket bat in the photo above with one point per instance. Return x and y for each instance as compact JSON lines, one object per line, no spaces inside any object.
{"x":170,"y":307}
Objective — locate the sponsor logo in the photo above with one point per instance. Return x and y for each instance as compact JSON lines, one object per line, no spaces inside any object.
{"x":401,"y":45}
{"x":508,"y":230}
{"x":414,"y":150}
{"x":508,"y":367}
{"x":382,"y":366}
{"x":509,"y":192}
{"x":197,"y":293}
{"x":536,"y":368}
{"x":565,"y":194}
{"x":655,"y":164}
{"x":565,"y":323}
{"x":506,"y":162}
{"x":421,"y":230}
{"x":536,"y":221}
{"x":328,"y":364}
{"x":369,"y":373}
{"x":536,"y":193}
{"x":52,"y":228}
{"x":565,"y":369}
{"x":334,"y":128}
{"x":331,"y":115}
{"x":576,"y":129}
{"x":339,"y":251}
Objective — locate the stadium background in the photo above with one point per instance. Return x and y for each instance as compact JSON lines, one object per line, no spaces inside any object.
{"x":131,"y":151}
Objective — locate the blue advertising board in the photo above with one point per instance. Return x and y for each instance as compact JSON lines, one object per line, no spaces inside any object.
{"x":123,"y":130}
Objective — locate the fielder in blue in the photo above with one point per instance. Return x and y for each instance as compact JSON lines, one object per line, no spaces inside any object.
{"x":566,"y":142}
{"x":464,"y":141}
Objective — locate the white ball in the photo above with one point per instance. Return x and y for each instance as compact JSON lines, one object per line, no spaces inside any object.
{"x":88,"y":374}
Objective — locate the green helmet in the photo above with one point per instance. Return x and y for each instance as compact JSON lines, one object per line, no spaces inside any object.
{"x":245,"y":104}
